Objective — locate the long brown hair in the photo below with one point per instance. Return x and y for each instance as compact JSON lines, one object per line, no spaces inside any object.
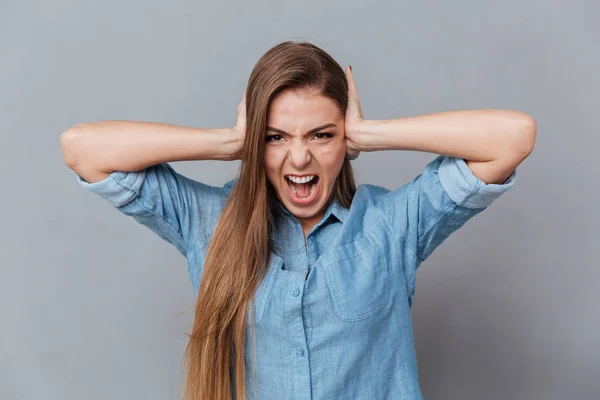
{"x":238,"y":253}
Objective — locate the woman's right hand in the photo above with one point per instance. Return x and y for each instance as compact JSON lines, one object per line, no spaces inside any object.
{"x":240,"y":127}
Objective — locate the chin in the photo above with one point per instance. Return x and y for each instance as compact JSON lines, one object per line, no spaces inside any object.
{"x":305,"y":212}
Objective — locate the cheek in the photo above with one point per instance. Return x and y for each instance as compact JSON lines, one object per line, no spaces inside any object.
{"x":332,"y":157}
{"x":273,"y":163}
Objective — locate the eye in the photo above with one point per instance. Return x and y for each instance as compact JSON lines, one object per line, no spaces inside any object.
{"x":271,"y":138}
{"x":325,"y":135}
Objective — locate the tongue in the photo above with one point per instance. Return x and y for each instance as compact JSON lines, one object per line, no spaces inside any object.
{"x":302,"y":189}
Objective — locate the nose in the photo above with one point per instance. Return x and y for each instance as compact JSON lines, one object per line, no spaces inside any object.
{"x":299,"y":155}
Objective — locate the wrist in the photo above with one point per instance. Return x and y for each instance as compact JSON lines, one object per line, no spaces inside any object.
{"x":362,"y":135}
{"x":233,"y":144}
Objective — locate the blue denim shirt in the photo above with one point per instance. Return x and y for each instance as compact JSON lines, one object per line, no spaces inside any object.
{"x":332,"y":315}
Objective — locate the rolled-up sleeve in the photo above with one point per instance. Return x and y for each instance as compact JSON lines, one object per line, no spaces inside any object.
{"x":465,"y":189}
{"x":118,"y":188}
{"x":178,"y":209}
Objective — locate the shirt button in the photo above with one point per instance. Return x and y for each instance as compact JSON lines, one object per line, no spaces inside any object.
{"x":299,"y":352}
{"x":296,"y":292}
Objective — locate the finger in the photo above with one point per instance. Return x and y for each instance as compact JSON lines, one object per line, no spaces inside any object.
{"x":352,"y":92}
{"x":351,"y":84}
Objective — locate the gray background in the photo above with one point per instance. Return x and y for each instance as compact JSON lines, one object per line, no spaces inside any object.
{"x":92,"y":303}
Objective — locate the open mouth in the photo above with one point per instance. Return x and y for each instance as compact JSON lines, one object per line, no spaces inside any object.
{"x":302,"y":190}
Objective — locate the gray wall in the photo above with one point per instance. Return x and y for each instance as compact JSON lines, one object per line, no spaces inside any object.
{"x":92,"y":304}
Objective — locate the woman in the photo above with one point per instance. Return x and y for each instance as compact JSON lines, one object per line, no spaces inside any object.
{"x":330,"y":267}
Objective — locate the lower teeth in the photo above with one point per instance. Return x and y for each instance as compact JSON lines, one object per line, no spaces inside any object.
{"x":312,"y":189}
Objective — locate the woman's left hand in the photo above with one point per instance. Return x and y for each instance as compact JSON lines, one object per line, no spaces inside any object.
{"x":353,"y":118}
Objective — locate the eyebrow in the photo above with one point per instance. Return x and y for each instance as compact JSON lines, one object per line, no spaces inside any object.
{"x":315,"y":130}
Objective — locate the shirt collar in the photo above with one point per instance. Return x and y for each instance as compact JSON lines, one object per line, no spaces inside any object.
{"x":337,"y":209}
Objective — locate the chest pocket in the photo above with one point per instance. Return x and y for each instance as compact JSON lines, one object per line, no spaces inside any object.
{"x":261,"y":294}
{"x":357,"y":278}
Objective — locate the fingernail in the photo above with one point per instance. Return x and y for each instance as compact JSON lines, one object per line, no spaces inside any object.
{"x":350,"y":67}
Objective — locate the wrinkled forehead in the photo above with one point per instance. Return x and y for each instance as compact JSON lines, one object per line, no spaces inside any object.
{"x":301,"y":110}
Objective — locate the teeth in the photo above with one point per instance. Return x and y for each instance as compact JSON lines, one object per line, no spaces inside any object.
{"x":301,"y":180}
{"x":312,"y":188}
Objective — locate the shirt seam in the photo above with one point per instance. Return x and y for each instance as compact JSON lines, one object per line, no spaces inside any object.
{"x":412,"y":280}
{"x":200,"y":245}
{"x":163,"y":222}
{"x":445,"y":213}
{"x":161,"y":218}
{"x":448,"y":211}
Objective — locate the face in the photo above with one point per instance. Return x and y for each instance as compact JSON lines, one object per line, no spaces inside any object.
{"x":304,"y":152}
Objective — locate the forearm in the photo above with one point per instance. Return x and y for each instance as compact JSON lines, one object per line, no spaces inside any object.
{"x":477,"y":135}
{"x":131,"y":146}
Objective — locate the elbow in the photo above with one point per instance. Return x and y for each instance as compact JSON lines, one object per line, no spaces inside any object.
{"x":69,"y":143}
{"x":68,"y":147}
{"x":524,"y":138}
{"x":529,"y":132}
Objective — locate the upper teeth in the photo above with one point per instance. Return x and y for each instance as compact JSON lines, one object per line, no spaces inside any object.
{"x":301,"y":180}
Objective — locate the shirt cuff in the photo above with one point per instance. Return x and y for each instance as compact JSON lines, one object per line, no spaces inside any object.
{"x":465,"y":189}
{"x":118,"y":188}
